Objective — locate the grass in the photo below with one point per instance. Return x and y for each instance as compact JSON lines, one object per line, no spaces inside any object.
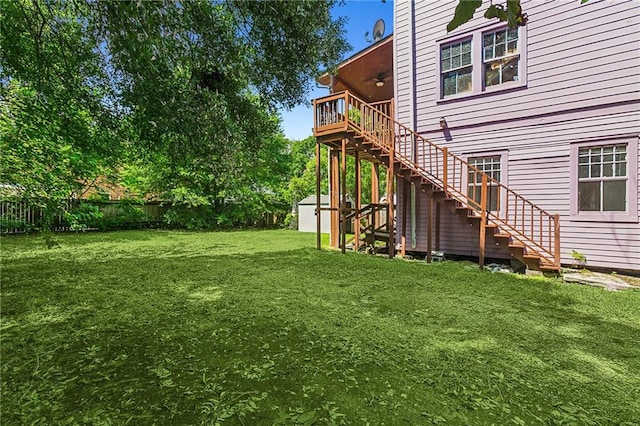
{"x":257,"y":327}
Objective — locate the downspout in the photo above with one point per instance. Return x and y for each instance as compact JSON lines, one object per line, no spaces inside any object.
{"x":413,"y":122}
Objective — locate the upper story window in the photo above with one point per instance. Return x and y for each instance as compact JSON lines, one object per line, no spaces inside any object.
{"x":500,"y":56}
{"x":483,"y":60}
{"x":456,"y":67}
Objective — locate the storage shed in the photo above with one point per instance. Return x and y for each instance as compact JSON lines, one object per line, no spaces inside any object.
{"x":307,"y":217}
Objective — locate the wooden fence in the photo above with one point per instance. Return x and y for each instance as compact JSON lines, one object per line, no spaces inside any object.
{"x":19,"y":216}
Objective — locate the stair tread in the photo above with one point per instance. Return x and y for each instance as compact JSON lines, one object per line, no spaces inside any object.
{"x":501,"y":235}
{"x":516,"y":244}
{"x":549,"y":268}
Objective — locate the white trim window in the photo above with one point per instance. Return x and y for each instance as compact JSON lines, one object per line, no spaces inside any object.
{"x":486,"y":59}
{"x":602,"y":178}
{"x":456,"y":68}
{"x":492,"y":166}
{"x":501,"y":57}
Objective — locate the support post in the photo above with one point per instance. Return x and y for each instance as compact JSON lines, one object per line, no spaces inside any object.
{"x":445,"y":169}
{"x":390,"y":197}
{"x":556,"y":233}
{"x":334,"y":198}
{"x":318,"y":195}
{"x":403,"y":241}
{"x":343,"y":205}
{"x":437,"y":226}
{"x":375,"y":191}
{"x":429,"y":227}
{"x":358,"y":179}
{"x":483,"y":219}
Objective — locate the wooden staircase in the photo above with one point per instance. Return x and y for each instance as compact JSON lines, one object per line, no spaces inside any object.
{"x":531,"y":234}
{"x":376,"y":229}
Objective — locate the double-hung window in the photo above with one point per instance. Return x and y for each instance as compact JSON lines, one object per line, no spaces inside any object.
{"x":456,"y":67}
{"x":501,"y":57}
{"x":604,"y":181}
{"x":486,"y":59}
{"x":602,"y":178}
{"x":491,"y":165}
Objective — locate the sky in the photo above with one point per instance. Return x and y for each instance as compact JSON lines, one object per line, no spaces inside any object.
{"x":361,"y":14}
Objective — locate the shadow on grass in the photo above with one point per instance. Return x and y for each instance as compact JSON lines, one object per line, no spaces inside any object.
{"x":191,"y":337}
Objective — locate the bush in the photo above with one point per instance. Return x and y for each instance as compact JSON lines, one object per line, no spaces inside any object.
{"x":82,"y":217}
{"x":126,"y":214}
{"x":229,"y":215}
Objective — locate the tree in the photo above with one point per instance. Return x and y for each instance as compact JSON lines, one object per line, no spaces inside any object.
{"x":197,"y":82}
{"x":302,"y":171}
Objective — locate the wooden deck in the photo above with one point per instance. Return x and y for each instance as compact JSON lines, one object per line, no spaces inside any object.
{"x":350,"y":126}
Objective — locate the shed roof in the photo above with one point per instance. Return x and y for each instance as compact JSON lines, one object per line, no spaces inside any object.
{"x":324,"y":200}
{"x":311,"y":200}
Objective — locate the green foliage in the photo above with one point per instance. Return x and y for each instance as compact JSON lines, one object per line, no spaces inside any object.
{"x":579,"y":259}
{"x":83,"y":216}
{"x":183,"y":93}
{"x":302,"y":171}
{"x":511,"y":13}
{"x":302,"y":182}
{"x":125,"y":214}
{"x":47,"y":148}
{"x":257,"y":327}
{"x":463,"y":13}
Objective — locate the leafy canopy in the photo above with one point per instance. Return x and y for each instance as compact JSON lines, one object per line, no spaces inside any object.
{"x":185,"y":91}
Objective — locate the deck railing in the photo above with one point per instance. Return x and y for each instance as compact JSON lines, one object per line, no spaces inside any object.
{"x":526,"y":222}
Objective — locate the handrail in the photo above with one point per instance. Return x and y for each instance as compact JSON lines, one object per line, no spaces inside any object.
{"x":526,"y":222}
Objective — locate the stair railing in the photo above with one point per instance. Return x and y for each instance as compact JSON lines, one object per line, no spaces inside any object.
{"x":526,"y":222}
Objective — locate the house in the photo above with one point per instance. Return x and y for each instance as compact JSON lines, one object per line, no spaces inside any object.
{"x":499,"y":143}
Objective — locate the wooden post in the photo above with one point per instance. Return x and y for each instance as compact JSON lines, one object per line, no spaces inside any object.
{"x":437,"y":226}
{"x":405,"y":196}
{"x":429,"y":227}
{"x":445,"y":169}
{"x":343,"y":205}
{"x":390,"y":197}
{"x":375,"y":190}
{"x":318,"y":195}
{"x":556,"y":231}
{"x":334,"y":198}
{"x":483,"y":219}
{"x":358,"y":179}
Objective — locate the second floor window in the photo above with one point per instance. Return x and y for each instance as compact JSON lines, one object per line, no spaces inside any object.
{"x":456,"y":67}
{"x":486,"y":59}
{"x":500,"y":56}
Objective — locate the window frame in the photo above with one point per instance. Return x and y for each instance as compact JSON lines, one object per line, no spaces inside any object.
{"x":630,"y":215}
{"x":504,"y":173}
{"x":460,"y":42}
{"x":478,"y":87}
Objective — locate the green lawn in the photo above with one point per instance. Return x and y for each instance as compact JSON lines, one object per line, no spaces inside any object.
{"x":257,"y":327}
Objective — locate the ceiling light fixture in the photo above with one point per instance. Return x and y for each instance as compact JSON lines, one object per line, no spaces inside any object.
{"x":379,"y":83}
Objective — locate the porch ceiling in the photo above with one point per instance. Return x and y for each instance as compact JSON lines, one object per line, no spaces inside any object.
{"x":359,"y":73}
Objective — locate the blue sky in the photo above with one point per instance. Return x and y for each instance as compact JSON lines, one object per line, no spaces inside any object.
{"x":361,"y":14}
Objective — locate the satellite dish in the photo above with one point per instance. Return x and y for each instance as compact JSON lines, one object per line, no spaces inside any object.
{"x":378,"y":30}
